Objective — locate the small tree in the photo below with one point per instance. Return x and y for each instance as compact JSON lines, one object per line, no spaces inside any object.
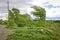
{"x":11,"y":21}
{"x":39,"y":12}
{"x":17,"y":18}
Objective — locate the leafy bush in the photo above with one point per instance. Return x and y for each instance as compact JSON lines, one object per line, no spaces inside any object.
{"x":33,"y":33}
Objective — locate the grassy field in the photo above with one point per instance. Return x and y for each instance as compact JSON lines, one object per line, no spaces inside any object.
{"x":33,"y":33}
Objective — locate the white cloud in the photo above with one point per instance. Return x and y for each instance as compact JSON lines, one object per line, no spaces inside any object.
{"x":55,"y":2}
{"x":54,"y":11}
{"x":24,"y":6}
{"x":3,"y":16}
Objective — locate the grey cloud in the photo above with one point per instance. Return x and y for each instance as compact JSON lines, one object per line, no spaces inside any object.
{"x":14,"y":3}
{"x":19,"y":1}
{"x":1,"y":1}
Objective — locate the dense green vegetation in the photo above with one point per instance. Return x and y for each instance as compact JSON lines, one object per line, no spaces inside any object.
{"x":27,"y":28}
{"x":35,"y":33}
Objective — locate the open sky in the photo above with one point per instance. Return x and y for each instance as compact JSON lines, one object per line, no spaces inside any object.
{"x":52,"y":7}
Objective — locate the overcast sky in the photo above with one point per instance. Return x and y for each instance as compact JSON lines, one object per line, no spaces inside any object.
{"x":52,"y":7}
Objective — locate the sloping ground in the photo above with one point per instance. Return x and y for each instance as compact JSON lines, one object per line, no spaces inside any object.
{"x":34,"y":33}
{"x":4,"y":32}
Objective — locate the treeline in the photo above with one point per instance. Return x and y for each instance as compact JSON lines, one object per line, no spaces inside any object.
{"x":15,"y":18}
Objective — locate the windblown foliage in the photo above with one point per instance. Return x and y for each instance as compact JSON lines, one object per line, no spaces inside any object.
{"x":32,"y":29}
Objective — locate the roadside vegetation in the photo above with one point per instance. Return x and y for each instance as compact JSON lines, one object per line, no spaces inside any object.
{"x":27,"y":28}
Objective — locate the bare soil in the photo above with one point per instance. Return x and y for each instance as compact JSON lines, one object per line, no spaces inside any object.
{"x":4,"y":32}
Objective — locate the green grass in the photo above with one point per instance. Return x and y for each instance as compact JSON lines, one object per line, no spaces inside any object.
{"x":33,"y":33}
{"x":39,"y":31}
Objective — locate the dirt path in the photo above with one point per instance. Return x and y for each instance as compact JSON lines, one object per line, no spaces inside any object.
{"x":4,"y":32}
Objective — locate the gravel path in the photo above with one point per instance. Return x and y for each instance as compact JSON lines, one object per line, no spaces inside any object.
{"x":4,"y":32}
